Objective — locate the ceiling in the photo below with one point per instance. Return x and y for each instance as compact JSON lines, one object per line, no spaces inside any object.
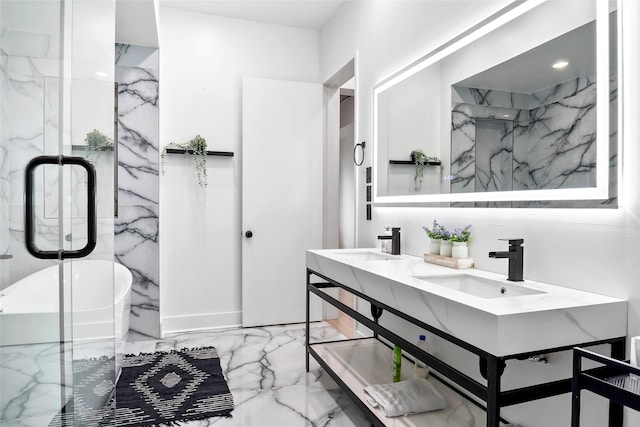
{"x":309,"y":14}
{"x":136,"y":23}
{"x":531,"y":71}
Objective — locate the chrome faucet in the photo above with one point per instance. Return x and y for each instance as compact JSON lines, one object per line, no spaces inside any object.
{"x":395,"y":240}
{"x":515,"y":254}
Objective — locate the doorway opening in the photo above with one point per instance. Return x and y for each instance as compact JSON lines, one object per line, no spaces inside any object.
{"x":339,"y":219}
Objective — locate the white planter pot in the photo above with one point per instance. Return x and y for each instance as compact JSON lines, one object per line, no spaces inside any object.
{"x":445,"y":248}
{"x":433,"y":247}
{"x":460,"y":250}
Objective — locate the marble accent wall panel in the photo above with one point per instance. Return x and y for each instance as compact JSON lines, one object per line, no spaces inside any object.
{"x":564,"y":130}
{"x":136,"y":56}
{"x":463,"y":152}
{"x":138,"y":152}
{"x":470,"y":164}
{"x":521,"y":150}
{"x":489,"y":98}
{"x":136,"y":229}
{"x":553,"y":136}
{"x":136,"y":247}
{"x":494,"y":158}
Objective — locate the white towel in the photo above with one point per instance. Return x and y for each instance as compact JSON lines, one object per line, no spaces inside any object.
{"x":635,"y":355}
{"x":405,"y":397}
{"x":635,"y":351}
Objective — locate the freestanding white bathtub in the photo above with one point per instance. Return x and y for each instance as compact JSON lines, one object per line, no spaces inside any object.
{"x":30,"y":309}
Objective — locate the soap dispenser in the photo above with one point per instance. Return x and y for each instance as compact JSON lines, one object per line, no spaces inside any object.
{"x":385,"y":244}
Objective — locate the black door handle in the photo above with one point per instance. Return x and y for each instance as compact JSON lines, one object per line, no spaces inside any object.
{"x":249,"y":234}
{"x":29,"y":223}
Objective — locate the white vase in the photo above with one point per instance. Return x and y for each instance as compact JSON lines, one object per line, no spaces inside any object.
{"x":433,"y":247}
{"x":445,"y":248}
{"x":460,"y":250}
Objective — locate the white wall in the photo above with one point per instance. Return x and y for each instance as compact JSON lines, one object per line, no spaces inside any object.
{"x":585,"y":249}
{"x":203,"y":59}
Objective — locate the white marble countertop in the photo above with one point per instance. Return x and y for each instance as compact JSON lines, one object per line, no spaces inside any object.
{"x":506,"y":325}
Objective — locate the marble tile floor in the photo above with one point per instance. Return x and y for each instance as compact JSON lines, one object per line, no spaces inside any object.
{"x":30,"y":391}
{"x":265,"y":371}
{"x":264,"y":368}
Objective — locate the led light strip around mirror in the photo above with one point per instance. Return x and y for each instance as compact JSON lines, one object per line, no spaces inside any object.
{"x":514,"y":10}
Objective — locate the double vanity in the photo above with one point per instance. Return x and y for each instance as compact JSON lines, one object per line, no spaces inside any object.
{"x":477,"y":311}
{"x":510,"y":127}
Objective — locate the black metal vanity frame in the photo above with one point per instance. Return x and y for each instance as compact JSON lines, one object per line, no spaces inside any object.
{"x":492,"y":365}
{"x":598,"y":381}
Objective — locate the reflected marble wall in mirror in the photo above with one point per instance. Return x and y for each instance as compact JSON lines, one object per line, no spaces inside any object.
{"x":511,"y":129}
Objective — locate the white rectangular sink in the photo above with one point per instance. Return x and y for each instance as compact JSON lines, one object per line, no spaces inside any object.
{"x":367,"y":256}
{"x":480,"y":286}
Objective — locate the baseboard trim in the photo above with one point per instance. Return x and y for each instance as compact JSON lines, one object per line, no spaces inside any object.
{"x":198,"y":322}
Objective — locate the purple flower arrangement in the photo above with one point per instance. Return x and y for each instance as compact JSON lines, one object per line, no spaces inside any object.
{"x":440,"y":232}
{"x":461,"y":234}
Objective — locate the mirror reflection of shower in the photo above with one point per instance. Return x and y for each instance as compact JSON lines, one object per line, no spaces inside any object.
{"x":494,"y":155}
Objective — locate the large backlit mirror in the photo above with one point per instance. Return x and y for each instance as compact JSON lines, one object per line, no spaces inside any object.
{"x":515,"y":113}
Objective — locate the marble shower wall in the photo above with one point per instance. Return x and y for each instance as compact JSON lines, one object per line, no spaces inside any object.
{"x":136,"y":226}
{"x":30,"y":127}
{"x":494,"y":172}
{"x":544,"y":140}
{"x":562,"y":135}
{"x":28,"y":92}
{"x":507,"y":111}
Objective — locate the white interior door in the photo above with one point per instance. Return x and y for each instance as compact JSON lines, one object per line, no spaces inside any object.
{"x":281,"y":197}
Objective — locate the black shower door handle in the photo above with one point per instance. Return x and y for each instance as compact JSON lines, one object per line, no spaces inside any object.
{"x":29,"y":223}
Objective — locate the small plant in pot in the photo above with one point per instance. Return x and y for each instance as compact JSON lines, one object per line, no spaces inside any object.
{"x":436,"y":235}
{"x":460,"y":239}
{"x":97,"y":141}
{"x":461,"y":234}
{"x":197,"y":147}
{"x":420,"y":159}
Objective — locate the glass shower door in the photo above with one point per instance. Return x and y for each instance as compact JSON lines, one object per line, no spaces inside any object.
{"x":55,"y":87}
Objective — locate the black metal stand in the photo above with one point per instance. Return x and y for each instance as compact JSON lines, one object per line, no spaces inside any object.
{"x":616,"y":380}
{"x":490,"y":393}
{"x":616,"y":413}
{"x":376,"y":313}
{"x":306,"y":335}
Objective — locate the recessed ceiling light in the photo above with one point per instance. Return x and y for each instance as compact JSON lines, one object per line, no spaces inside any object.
{"x":101,"y":74}
{"x":559,"y":65}
{"x":505,"y":115}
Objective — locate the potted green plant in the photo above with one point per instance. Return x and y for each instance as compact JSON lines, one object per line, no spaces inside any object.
{"x":97,"y":141}
{"x":419,"y":159}
{"x":197,"y":147}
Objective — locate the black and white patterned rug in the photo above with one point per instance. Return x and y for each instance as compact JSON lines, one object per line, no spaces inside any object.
{"x":153,"y":389}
